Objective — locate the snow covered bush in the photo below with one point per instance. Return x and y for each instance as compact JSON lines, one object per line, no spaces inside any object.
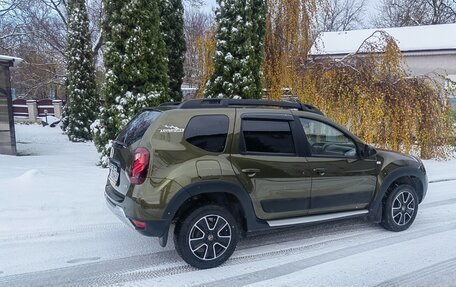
{"x":81,"y":109}
{"x":136,"y":65}
{"x":240,"y":49}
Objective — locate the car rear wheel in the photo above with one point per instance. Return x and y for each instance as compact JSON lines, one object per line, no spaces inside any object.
{"x":400,"y":208}
{"x":207,"y":237}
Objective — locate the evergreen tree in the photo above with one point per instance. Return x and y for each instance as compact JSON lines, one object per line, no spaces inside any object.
{"x":240,"y":49}
{"x":136,"y":67}
{"x":172,"y":28}
{"x":82,"y":106}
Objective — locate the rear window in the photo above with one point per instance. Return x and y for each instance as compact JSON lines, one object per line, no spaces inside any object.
{"x":137,"y":127}
{"x":208,"y":132}
{"x":264,"y":136}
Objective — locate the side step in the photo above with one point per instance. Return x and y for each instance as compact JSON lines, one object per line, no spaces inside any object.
{"x":315,"y":218}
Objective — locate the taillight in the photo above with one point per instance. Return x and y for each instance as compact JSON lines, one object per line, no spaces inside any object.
{"x":140,"y":166}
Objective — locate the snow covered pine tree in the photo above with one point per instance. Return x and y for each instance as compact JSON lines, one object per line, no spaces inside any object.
{"x":172,"y":29}
{"x":136,"y":67}
{"x":82,"y":107}
{"x":240,"y":49}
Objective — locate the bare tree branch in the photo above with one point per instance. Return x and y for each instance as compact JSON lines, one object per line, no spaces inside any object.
{"x":340,"y":15}
{"x":397,"y":13}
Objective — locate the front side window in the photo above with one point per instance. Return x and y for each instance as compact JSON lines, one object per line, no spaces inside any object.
{"x":325,"y":140}
{"x":267,"y":136}
{"x":208,"y":132}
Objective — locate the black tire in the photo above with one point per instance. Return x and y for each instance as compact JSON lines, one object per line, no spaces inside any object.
{"x":400,"y":208}
{"x":206,"y":237}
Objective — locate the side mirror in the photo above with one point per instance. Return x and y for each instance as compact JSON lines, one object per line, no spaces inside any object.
{"x":369,"y":151}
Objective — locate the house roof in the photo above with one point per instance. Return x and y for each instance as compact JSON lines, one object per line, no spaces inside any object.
{"x":14,"y":60}
{"x":409,"y":39}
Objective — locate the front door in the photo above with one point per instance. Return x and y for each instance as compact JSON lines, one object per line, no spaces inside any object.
{"x":341,"y":180}
{"x":269,"y":164}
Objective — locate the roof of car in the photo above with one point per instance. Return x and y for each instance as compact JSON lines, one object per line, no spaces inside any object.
{"x":231,"y":103}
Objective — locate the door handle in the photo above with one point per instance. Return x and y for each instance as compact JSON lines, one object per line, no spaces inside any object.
{"x":251,"y":172}
{"x":320,"y":171}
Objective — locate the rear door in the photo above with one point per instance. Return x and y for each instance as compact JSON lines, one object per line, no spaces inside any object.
{"x":123,"y":147}
{"x":269,"y":163}
{"x":341,"y":180}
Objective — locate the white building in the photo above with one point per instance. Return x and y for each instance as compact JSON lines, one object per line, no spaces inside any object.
{"x":426,"y":49}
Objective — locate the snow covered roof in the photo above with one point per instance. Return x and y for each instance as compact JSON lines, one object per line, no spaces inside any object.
{"x":14,"y":60}
{"x":409,"y":39}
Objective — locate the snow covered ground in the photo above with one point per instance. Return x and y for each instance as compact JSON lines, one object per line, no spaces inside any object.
{"x":56,"y":231}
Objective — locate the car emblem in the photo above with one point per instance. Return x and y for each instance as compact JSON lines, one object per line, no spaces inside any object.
{"x":171,"y":129}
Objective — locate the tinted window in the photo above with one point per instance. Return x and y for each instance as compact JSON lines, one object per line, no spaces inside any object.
{"x":265,"y":136}
{"x":208,"y":132}
{"x":326,"y":140}
{"x":137,"y":127}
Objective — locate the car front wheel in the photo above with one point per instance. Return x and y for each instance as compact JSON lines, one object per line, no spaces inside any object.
{"x":207,"y":237}
{"x":400,"y":208}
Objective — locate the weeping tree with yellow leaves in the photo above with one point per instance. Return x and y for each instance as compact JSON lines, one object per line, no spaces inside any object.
{"x":371,"y":93}
{"x":289,"y":36}
{"x":205,"y":49}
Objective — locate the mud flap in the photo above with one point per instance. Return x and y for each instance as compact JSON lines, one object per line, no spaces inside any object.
{"x":164,"y":239}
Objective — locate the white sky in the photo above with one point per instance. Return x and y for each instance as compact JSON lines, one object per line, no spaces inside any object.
{"x":371,"y":8}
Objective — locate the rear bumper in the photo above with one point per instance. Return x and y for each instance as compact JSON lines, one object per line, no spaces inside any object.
{"x":154,"y":228}
{"x":118,"y":211}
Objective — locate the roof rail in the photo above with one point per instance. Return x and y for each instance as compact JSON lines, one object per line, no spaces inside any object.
{"x":226,"y":103}
{"x":169,"y":106}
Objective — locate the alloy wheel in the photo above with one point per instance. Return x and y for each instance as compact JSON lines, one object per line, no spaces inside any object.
{"x":403,"y":208}
{"x":210,"y":237}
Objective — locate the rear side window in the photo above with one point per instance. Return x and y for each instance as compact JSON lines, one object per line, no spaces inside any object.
{"x":266,"y":136}
{"x":137,"y":127}
{"x":208,"y":132}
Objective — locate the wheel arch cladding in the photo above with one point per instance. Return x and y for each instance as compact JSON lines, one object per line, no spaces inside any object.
{"x":405,"y":175}
{"x":219,"y":192}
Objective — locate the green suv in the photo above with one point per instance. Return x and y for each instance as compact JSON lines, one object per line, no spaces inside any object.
{"x":221,"y":169}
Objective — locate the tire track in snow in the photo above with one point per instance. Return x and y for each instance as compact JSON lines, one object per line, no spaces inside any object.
{"x":123,"y":270}
{"x":427,"y":276}
{"x":132,"y":268}
{"x":52,"y":233}
{"x":128,"y":264}
{"x":442,"y":180}
{"x":288,"y":268}
{"x":449,"y":201}
{"x":71,"y":275}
